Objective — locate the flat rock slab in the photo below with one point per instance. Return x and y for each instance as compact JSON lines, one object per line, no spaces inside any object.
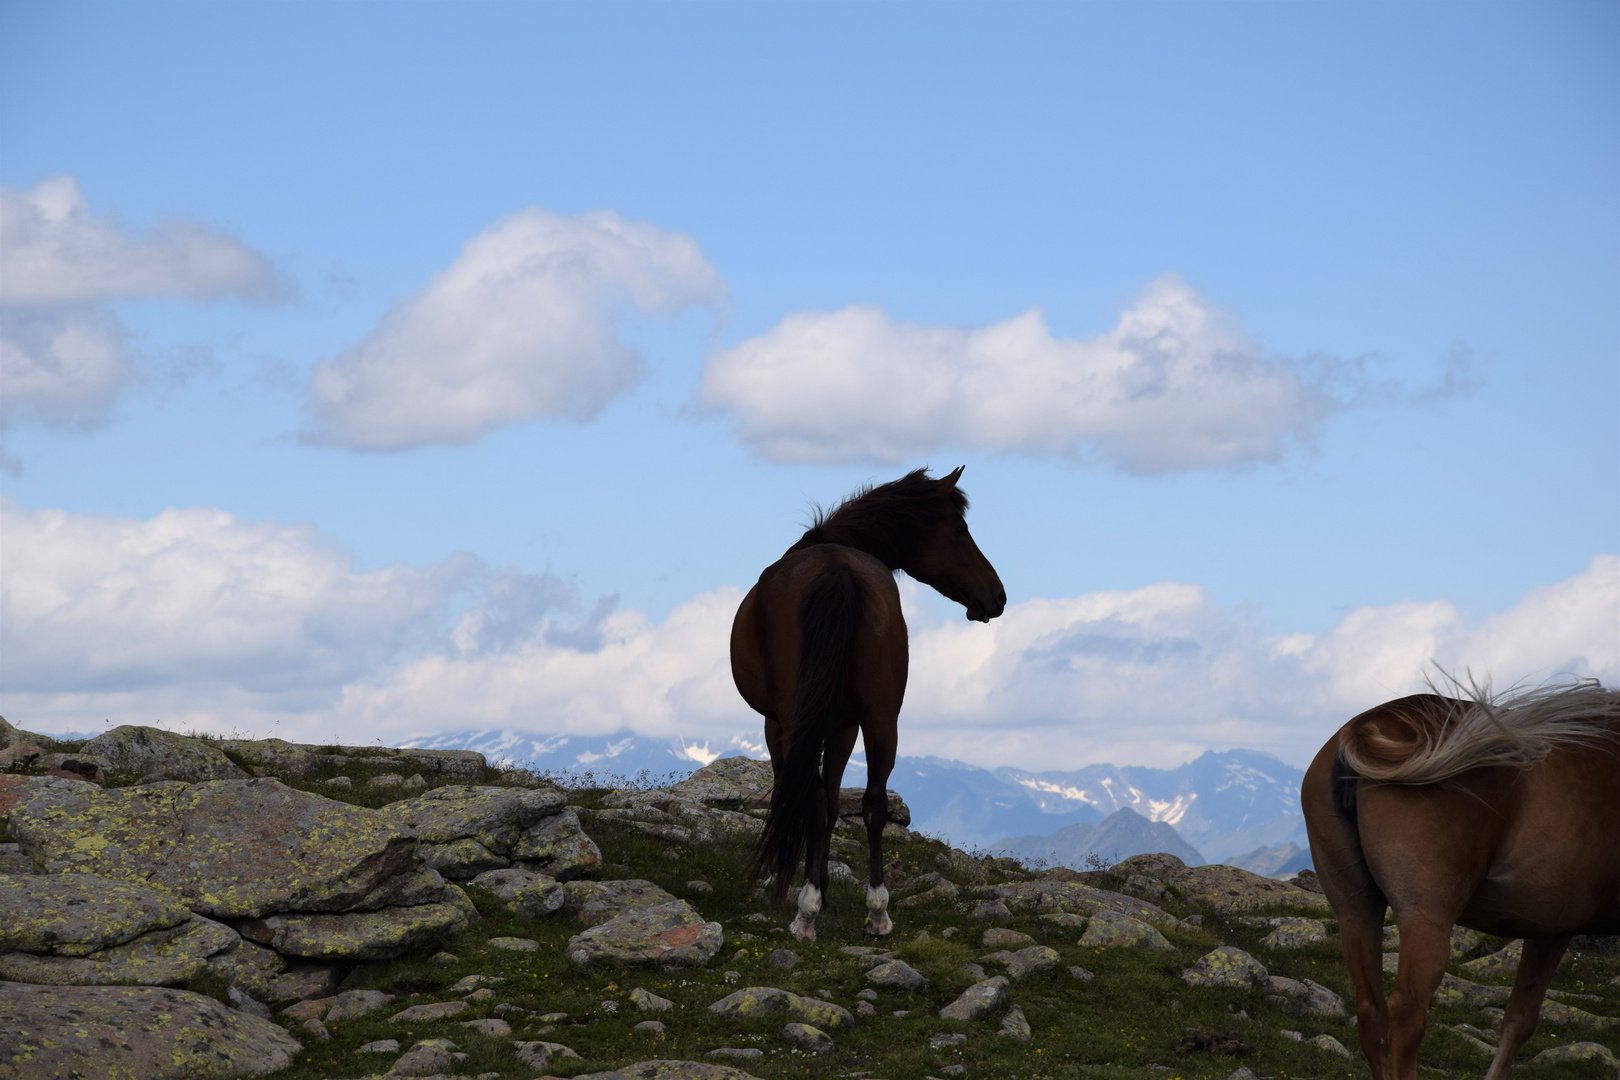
{"x":999,"y":937}
{"x":14,"y":789}
{"x":1112,"y":930}
{"x":1306,"y":996}
{"x":149,"y":753}
{"x":732,"y":782}
{"x":1581,"y":1051}
{"x":169,"y":957}
{"x":978,"y":1000}
{"x":595,"y":902}
{"x":1230,"y":891}
{"x":1052,"y":895}
{"x":134,"y":1032}
{"x":1228,"y":966}
{"x":755,"y":1001}
{"x":361,"y":935}
{"x":669,"y":934}
{"x":495,"y":817}
{"x":671,"y":1070}
{"x":1501,"y":964}
{"x":78,"y":914}
{"x":232,"y":848}
{"x":435,"y":1010}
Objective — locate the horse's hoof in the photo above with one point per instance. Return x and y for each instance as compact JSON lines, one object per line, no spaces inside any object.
{"x":879,"y":925}
{"x":804,"y":931}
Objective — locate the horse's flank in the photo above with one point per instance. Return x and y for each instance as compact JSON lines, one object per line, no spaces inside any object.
{"x":1426,"y":738}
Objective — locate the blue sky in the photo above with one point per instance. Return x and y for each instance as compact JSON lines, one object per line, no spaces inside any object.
{"x":1384,"y":428}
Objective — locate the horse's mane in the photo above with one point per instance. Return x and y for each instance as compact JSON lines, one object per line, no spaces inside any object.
{"x":888,"y":520}
{"x":1429,"y":738}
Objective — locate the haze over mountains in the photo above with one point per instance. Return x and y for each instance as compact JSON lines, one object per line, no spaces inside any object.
{"x":1234,"y":806}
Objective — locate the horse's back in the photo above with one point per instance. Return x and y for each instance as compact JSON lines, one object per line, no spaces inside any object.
{"x":767,"y":636}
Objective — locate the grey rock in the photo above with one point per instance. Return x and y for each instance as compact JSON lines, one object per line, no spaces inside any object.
{"x":1296,"y":933}
{"x":169,"y":957}
{"x":148,"y":1032}
{"x":361,"y":935}
{"x":647,"y":1001}
{"x":977,"y":1000}
{"x":595,"y":902}
{"x":489,"y":1025}
{"x":462,"y":859}
{"x":14,"y":861}
{"x":762,"y":1001}
{"x":992,"y":909}
{"x":316,"y":1028}
{"x":668,"y":934}
{"x":1111,"y":929}
{"x":381,"y":1046}
{"x":538,"y":1054}
{"x":805,"y":1037}
{"x":1227,"y":966}
{"x":150,"y":754}
{"x":303,"y":984}
{"x":1580,"y":1051}
{"x":433,"y":1010}
{"x":946,"y":1040}
{"x":1329,"y":1044}
{"x":782,"y":958}
{"x":427,"y":1058}
{"x":897,"y":973}
{"x":739,"y":1053}
{"x":513,"y":944}
{"x":277,"y":757}
{"x":1015,"y":1025}
{"x":243,"y":1003}
{"x":1306,"y":996}
{"x":353,"y":1003}
{"x":251,"y":967}
{"x":78,"y":914}
{"x":865,"y":1008}
{"x":1077,"y":972}
{"x":1031,"y":961}
{"x":524,"y":892}
{"x":558,"y":847}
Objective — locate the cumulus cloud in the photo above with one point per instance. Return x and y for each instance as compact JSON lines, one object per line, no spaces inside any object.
{"x":195,"y":617}
{"x":60,"y":367}
{"x":57,"y":253}
{"x":64,"y":357}
{"x":527,"y":323}
{"x":1175,"y":385}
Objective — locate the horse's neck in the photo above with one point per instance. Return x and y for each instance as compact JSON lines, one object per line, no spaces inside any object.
{"x":823,"y":534}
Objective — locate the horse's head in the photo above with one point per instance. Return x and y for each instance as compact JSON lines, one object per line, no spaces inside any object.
{"x":947,"y":559}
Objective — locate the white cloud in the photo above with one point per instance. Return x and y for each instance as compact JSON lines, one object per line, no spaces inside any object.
{"x":1176,"y":384}
{"x":60,"y":367}
{"x":56,"y":253}
{"x":195,"y":618}
{"x":525,"y":324}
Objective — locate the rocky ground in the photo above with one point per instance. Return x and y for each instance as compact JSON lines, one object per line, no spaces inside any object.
{"x":198,"y":908}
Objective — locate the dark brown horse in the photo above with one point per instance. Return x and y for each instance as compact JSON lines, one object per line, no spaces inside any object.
{"x":819,"y":648}
{"x":1501,"y":816}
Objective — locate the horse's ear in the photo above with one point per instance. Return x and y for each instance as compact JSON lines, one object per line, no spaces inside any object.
{"x":950,"y":479}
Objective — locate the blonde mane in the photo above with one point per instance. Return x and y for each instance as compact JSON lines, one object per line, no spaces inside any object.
{"x":1430,"y":738}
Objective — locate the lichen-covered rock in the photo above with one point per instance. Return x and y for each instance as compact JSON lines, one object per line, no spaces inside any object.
{"x":361,"y":935}
{"x":595,"y":902}
{"x":1458,"y":991}
{"x":1229,"y":891}
{"x":78,"y":914}
{"x":303,"y":983}
{"x":133,"y":1033}
{"x":537,"y":1054}
{"x":433,"y":1010}
{"x":1228,"y":966}
{"x":807,"y":1038}
{"x":15,"y":736}
{"x":1581,"y":1051}
{"x":647,"y":1001}
{"x":668,"y":934}
{"x":729,"y":782}
{"x":897,"y":973}
{"x":1502,"y":964}
{"x":559,"y":848}
{"x":427,"y":1057}
{"x":1306,"y":996}
{"x":250,"y":967}
{"x":462,"y":859}
{"x":495,"y":817}
{"x":149,"y":754}
{"x":671,"y":1070}
{"x":759,"y":1001}
{"x":851,"y":807}
{"x":1032,"y":961}
{"x":14,"y":861}
{"x":999,"y":937}
{"x":232,"y":848}
{"x":1015,"y":1025}
{"x":1112,"y":930}
{"x":1296,"y":933}
{"x":169,"y":957}
{"x":1329,"y":1044}
{"x":277,"y":757}
{"x":524,"y":891}
{"x":978,"y":1000}
{"x":939,"y":890}
{"x":1557,"y":1012}
{"x":353,"y":1003}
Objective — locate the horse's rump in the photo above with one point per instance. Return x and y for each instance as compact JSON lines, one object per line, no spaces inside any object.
{"x":1427,"y":738}
{"x":830,"y":613}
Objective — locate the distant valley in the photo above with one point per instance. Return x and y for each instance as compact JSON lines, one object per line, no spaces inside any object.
{"x":1237,"y":806}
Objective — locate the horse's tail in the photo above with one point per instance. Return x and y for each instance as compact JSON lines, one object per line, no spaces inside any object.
{"x":829,"y":617}
{"x":1427,"y":738}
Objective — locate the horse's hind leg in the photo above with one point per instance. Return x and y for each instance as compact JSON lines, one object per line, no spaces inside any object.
{"x":875,"y":812}
{"x":815,"y":870}
{"x":1536,"y":969}
{"x":1425,"y":950}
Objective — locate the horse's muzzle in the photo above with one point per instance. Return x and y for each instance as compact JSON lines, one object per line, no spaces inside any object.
{"x":979,"y":612}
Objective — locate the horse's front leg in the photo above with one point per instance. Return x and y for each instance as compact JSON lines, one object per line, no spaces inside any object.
{"x":1536,"y":969}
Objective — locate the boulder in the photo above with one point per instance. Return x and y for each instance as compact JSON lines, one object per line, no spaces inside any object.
{"x":1112,"y":930}
{"x":595,"y":902}
{"x":361,"y":935}
{"x":559,"y":848}
{"x":850,"y":807}
{"x":1306,"y":996}
{"x":78,"y":914}
{"x":524,"y":892}
{"x":1296,"y":933}
{"x":977,"y":1000}
{"x":897,"y":973}
{"x":13,"y":861}
{"x":15,"y":736}
{"x":1501,"y":964}
{"x":433,"y":1010}
{"x":1031,"y":961}
{"x":169,"y":957}
{"x":462,"y":859}
{"x":647,"y":1001}
{"x":138,"y":1031}
{"x":729,"y":782}
{"x":14,"y":789}
{"x":668,"y":934}
{"x":1557,"y":1012}
{"x":1329,"y":1044}
{"x":276,"y":757}
{"x":427,"y":1057}
{"x":1581,"y":1051}
{"x":537,"y":1055}
{"x":496,"y":817}
{"x":1228,"y":966}
{"x":1052,"y":895}
{"x":232,"y":848}
{"x":999,"y":937}
{"x":353,"y":1003}
{"x":148,"y":754}
{"x":250,"y":968}
{"x":809,"y":1039}
{"x":303,"y":983}
{"x":759,"y":1001}
{"x":1015,"y":1025}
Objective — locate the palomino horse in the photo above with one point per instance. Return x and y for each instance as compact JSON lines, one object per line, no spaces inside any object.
{"x":1499,"y":815}
{"x":819,"y":647}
